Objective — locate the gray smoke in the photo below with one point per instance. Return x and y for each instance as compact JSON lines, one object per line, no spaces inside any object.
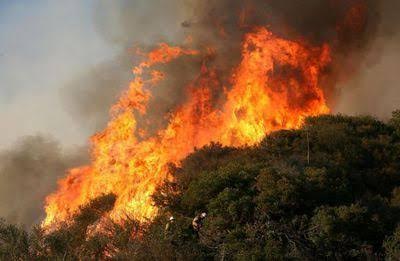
{"x":28,"y":172}
{"x":127,"y":22}
{"x":89,"y":96}
{"x":374,"y":90}
{"x":128,"y":25}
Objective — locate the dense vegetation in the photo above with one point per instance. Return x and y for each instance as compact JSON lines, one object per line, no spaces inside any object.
{"x":329,"y":191}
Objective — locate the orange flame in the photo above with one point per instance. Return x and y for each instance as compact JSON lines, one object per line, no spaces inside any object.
{"x":275,"y":86}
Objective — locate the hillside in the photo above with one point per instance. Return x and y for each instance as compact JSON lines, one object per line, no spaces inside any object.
{"x":330,"y":190}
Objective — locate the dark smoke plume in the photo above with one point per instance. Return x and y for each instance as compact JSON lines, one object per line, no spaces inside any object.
{"x":28,"y":173}
{"x":363,"y":35}
{"x":348,"y":26}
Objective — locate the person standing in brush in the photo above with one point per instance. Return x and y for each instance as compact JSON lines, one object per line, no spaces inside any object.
{"x":170,"y":223}
{"x":197,"y":222}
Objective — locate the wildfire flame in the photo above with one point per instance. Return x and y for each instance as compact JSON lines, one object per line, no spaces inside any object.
{"x":275,"y":86}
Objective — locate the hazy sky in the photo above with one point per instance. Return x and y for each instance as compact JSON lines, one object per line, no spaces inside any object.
{"x":43,"y":44}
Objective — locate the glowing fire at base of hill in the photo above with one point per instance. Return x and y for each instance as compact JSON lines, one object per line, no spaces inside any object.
{"x":275,"y":86}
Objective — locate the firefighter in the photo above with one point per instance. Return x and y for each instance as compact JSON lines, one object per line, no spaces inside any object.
{"x":197,"y":222}
{"x":169,"y":224}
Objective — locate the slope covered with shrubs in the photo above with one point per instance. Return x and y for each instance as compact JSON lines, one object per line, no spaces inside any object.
{"x":330,"y":190}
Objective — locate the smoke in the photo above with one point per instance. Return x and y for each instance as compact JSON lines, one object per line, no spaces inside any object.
{"x":89,"y":96}
{"x":29,"y":172}
{"x":342,"y":23}
{"x":126,"y":22}
{"x":374,"y":90}
{"x":363,"y":35}
{"x":41,"y":48}
{"x":126,"y":25}
{"x":129,"y":25}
